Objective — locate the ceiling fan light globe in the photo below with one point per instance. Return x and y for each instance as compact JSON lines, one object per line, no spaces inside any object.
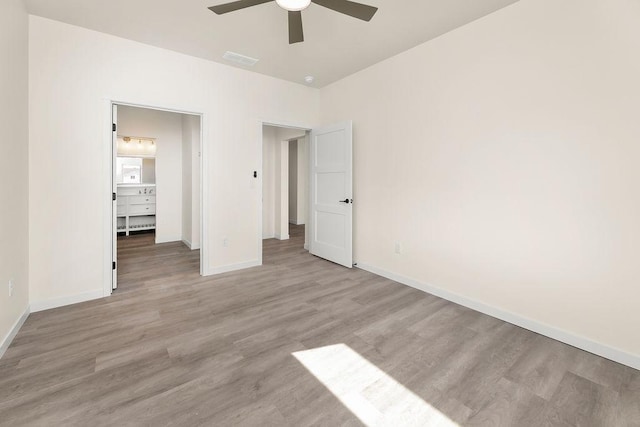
{"x":294,"y":5}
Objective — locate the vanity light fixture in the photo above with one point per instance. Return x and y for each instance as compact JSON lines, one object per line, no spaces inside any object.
{"x":141,"y":139}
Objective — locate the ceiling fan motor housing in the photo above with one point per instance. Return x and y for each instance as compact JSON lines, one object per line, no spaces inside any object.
{"x":294,"y":5}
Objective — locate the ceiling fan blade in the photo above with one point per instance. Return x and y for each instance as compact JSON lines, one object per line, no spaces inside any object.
{"x":296,"y":34}
{"x":351,"y":8}
{"x":236,"y":5}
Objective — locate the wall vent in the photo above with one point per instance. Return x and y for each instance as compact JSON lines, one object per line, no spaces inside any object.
{"x":240,"y":59}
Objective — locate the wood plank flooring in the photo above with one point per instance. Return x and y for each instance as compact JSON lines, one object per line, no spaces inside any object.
{"x":173,"y":348}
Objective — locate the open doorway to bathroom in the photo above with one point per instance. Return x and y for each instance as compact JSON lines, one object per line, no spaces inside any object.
{"x":157,"y":179}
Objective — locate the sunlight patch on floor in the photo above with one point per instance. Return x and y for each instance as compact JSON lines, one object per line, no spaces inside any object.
{"x":368,"y":392}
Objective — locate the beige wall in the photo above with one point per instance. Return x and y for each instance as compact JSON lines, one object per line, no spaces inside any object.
{"x":14,"y":187}
{"x":503,"y":156}
{"x":73,"y":74}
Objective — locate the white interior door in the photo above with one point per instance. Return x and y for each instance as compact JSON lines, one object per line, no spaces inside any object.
{"x":114,"y":190}
{"x":332,"y":193}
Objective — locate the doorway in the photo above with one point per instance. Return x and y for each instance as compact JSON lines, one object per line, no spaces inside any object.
{"x":327,"y":191}
{"x":157,"y":189}
{"x":285,"y":184}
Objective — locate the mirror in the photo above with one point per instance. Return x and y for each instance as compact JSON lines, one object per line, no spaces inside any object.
{"x":135,"y":170}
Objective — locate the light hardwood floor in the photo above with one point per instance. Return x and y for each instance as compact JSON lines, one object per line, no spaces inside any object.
{"x":172,"y":348}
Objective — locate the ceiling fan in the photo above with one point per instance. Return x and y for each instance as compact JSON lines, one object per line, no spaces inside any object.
{"x":295,"y":8}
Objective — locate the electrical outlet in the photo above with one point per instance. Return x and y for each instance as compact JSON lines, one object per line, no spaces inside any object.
{"x":11,"y":287}
{"x":225,"y":242}
{"x":398,"y":248}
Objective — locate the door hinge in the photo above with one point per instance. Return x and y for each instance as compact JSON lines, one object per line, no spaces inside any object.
{"x":113,"y":265}
{"x":113,"y":196}
{"x":114,"y":127}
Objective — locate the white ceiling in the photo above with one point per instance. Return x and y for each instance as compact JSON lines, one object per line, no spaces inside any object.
{"x":335,"y":45}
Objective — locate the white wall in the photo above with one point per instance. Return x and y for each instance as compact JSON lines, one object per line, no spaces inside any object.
{"x":302,"y":198}
{"x":282,"y":188}
{"x":275,"y":182}
{"x":304,"y":167}
{"x":187,"y":190}
{"x":268,"y":182}
{"x":196,"y":172}
{"x":293,"y":182}
{"x":14,"y":178}
{"x":166,"y":128}
{"x":298,"y":178}
{"x":191,"y":180}
{"x":503,"y":156}
{"x":73,"y":73}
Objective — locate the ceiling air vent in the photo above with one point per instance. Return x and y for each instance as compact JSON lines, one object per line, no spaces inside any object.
{"x":240,"y":59}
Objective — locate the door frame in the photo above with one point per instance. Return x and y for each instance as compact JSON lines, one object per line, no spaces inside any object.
{"x":307,"y":128}
{"x":108,"y":181}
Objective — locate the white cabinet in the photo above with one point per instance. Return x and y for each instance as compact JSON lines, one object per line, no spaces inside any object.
{"x":136,"y":207}
{"x":148,"y":209}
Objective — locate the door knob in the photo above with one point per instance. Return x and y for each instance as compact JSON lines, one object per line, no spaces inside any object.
{"x":347,"y":201}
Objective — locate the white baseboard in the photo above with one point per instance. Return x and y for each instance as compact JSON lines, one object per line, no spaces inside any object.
{"x":583,"y":343}
{"x":68,"y":300}
{"x":170,"y":239}
{"x":270,"y":236}
{"x":233,"y":267}
{"x":6,"y":341}
{"x":306,"y":247}
{"x":282,"y":236}
{"x":190,"y":245}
